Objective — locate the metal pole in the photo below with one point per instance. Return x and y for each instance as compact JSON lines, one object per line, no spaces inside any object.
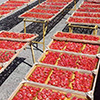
{"x":33,"y":55}
{"x":95,"y":30}
{"x":44,"y":36}
{"x":70,"y":28}
{"x":24,"y":25}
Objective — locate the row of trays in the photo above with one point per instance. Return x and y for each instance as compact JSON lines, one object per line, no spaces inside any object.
{"x":41,"y":92}
{"x":47,"y":77}
{"x":53,"y":74}
{"x":87,"y":13}
{"x":46,"y":10}
{"x":93,"y":1}
{"x":74,"y":83}
{"x":11,"y":6}
{"x":66,"y":36}
{"x":11,"y":44}
{"x":84,"y":48}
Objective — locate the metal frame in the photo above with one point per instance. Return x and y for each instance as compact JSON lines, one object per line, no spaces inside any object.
{"x":95,"y":28}
{"x":44,"y":22}
{"x":45,"y":26}
{"x":74,"y":24}
{"x":44,"y":29}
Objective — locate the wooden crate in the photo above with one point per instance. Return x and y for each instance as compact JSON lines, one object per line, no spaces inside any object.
{"x":19,"y":40}
{"x":49,"y":19}
{"x":67,"y":69}
{"x":76,"y":40}
{"x":5,"y":64}
{"x":17,"y":9}
{"x":42,"y":86}
{"x":71,"y":53}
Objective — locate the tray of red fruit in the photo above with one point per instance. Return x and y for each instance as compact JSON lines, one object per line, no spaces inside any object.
{"x":87,"y":4}
{"x":76,"y":37}
{"x":70,"y":60}
{"x":94,"y":1}
{"x":84,"y":5}
{"x":12,"y":45}
{"x":44,"y":11}
{"x":22,"y":37}
{"x":34,"y":91}
{"x":71,"y":79}
{"x":6,"y":57}
{"x":86,"y":14}
{"x":83,"y":21}
{"x":11,"y":6}
{"x":78,"y":47}
{"x":4,"y":13}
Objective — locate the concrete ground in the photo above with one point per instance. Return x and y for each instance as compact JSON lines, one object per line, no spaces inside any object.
{"x":17,"y":70}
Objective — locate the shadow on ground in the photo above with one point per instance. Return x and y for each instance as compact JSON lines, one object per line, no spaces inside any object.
{"x":78,"y":30}
{"x":5,"y":74}
{"x":12,"y":20}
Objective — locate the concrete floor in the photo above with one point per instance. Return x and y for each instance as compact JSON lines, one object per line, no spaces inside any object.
{"x":14,"y":74}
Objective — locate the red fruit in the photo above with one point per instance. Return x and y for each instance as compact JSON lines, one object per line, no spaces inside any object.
{"x":16,"y":35}
{"x":77,"y":36}
{"x":38,"y":16}
{"x":5,"y":56}
{"x":0,"y":68}
{"x":74,"y":47}
{"x":86,"y":14}
{"x":74,"y":98}
{"x":11,"y":45}
{"x":59,"y":45}
{"x":51,"y":58}
{"x":44,"y":11}
{"x":84,"y":20}
{"x":91,"y":49}
{"x":51,"y":95}
{"x":26,"y":93}
{"x":68,"y":95}
{"x":40,"y":74}
{"x":69,"y":35}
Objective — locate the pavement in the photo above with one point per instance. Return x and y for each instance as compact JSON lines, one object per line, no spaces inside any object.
{"x":17,"y":70}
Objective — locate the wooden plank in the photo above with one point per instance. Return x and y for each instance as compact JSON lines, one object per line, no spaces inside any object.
{"x":42,"y":86}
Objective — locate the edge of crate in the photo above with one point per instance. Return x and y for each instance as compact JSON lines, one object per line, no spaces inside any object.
{"x":14,"y":11}
{"x":19,"y":40}
{"x":43,"y":86}
{"x":90,"y":93}
{"x":49,"y":19}
{"x":75,"y":40}
{"x":94,"y":56}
